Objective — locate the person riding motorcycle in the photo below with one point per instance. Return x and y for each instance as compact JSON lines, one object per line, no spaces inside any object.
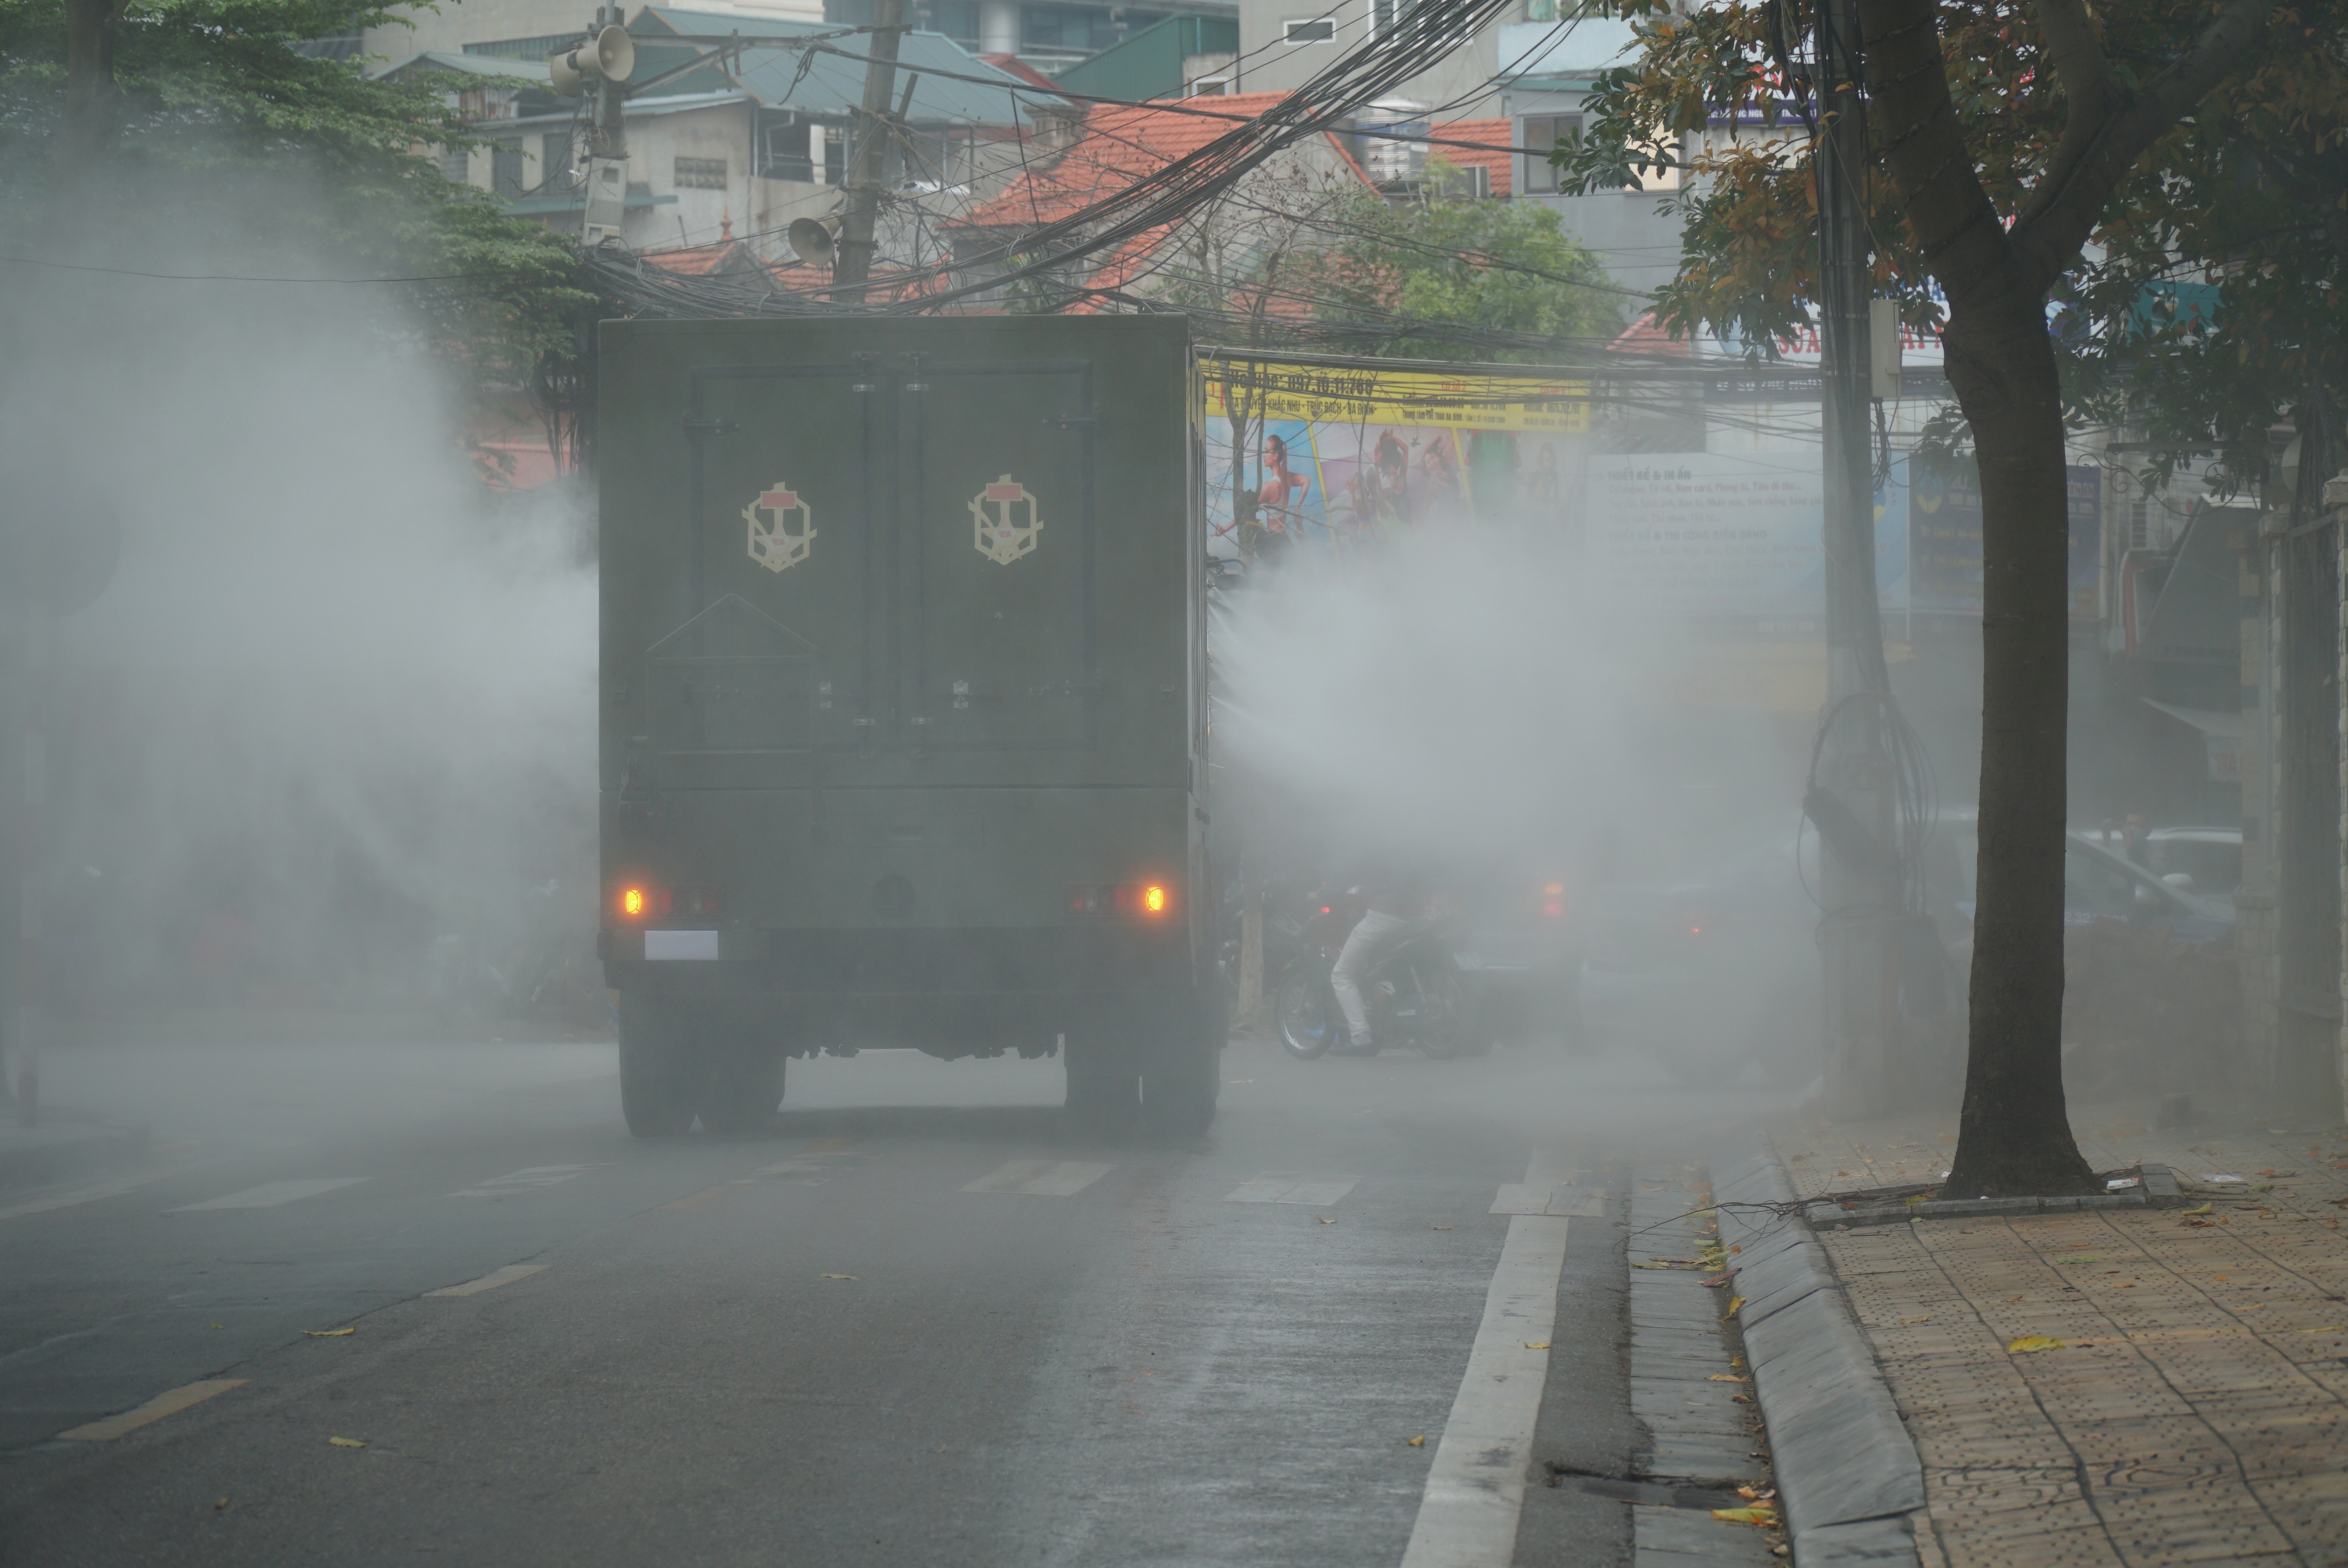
{"x":1394,"y":898}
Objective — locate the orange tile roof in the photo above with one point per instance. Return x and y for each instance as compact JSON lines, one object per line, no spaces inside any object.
{"x":1117,"y":145}
{"x":1497,"y":135}
{"x":697,"y":260}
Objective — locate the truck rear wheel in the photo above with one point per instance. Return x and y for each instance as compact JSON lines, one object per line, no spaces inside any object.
{"x":654,"y":1074}
{"x":1182,"y":1074}
{"x":1103,"y":1088}
{"x":740,"y":1086}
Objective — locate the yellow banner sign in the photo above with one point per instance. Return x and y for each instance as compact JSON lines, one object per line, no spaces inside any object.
{"x":1333,"y":394}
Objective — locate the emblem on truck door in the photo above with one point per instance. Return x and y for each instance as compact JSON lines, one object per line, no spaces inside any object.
{"x":785,"y":542}
{"x":1005,"y":519}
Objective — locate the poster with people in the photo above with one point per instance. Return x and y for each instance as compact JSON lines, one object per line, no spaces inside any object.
{"x":1308,"y":460}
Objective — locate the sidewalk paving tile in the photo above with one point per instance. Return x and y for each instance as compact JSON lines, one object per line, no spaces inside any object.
{"x":2197,"y":1409}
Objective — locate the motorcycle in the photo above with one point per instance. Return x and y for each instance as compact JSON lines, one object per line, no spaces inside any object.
{"x":1413,"y":992}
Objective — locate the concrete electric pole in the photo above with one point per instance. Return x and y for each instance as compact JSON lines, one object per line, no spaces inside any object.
{"x":859,"y":209}
{"x":1850,"y":799}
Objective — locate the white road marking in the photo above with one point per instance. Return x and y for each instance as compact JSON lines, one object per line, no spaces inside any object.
{"x":530,"y":1178}
{"x":66,"y":1200}
{"x":268,"y":1194}
{"x":1293,"y":1187}
{"x":154,"y":1410}
{"x":1556,"y":1199}
{"x":492,"y":1280}
{"x":1040,"y":1178}
{"x":1476,"y":1485}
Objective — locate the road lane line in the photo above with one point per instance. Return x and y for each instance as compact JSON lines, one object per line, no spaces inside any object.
{"x":66,"y":1200}
{"x":154,"y":1410}
{"x":694,"y":1200}
{"x":268,"y":1194}
{"x":812,"y":1158}
{"x":528,"y":1178}
{"x":1476,"y":1485}
{"x":1040,"y":1178}
{"x":492,"y":1280}
{"x":1293,"y":1187}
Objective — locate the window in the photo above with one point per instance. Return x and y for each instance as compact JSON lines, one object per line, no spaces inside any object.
{"x":457,"y":163}
{"x":1537,"y":134}
{"x":784,"y":153}
{"x":508,"y":168}
{"x":554,"y":158}
{"x":835,"y":155}
{"x":536,"y":48}
{"x":1078,"y":29}
{"x":701,"y":174}
{"x":1210,"y":88}
{"x":1319,"y":31}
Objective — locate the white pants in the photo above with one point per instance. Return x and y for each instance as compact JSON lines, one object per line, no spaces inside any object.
{"x":1360,"y":946}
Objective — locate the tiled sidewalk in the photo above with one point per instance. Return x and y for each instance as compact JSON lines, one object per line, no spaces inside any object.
{"x":2197,"y":1409}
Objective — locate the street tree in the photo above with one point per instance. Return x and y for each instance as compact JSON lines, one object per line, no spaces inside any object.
{"x":2013,"y":133}
{"x":205,"y":127}
{"x":2217,"y":306}
{"x":1406,"y":270}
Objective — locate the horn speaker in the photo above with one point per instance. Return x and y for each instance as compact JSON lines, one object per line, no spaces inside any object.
{"x":608,"y":56}
{"x":811,"y":240}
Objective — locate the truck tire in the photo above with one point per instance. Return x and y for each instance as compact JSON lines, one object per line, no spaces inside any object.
{"x":1103,"y":1088}
{"x":1182,"y":1074}
{"x":740,"y":1086}
{"x":653,"y":1070}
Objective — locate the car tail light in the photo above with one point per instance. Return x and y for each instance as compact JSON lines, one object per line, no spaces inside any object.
{"x":1553,"y":905}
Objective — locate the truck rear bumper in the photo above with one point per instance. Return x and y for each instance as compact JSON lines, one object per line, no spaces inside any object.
{"x":969,"y":962}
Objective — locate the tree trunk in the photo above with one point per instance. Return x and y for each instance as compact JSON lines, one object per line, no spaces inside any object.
{"x":90,"y":92}
{"x":2014,"y":1134}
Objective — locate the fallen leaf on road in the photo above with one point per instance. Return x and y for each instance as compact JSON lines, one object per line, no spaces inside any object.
{"x":2199,"y":1209}
{"x":1419,"y":1441}
{"x":2030,"y":1342}
{"x":839,"y":1277}
{"x":1438,"y":1228}
{"x":2010,"y":1300}
{"x":1740,"y":1398}
{"x":2328,"y":1328}
{"x":2080,"y":1257}
{"x":1726,"y":1378}
{"x":215,"y":1324}
{"x":1670,"y":1263}
{"x":1733,"y":1306}
{"x":346,"y":1442}
{"x":1926,"y":1317}
{"x":1536,"y":1344}
{"x":330,"y":1333}
{"x":1324,"y":1221}
{"x":1757,"y":1513}
{"x":220,"y":1504}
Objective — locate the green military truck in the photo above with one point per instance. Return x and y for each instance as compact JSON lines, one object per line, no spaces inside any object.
{"x":903,"y":729}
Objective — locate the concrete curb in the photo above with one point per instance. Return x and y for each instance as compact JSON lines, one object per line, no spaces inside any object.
{"x":2160,"y":1191}
{"x":1846,"y":1470}
{"x":33,"y":1155}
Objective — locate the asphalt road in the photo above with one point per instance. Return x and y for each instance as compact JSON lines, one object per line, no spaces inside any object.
{"x":819,"y":1345}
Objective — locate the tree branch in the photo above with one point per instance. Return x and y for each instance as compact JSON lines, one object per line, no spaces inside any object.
{"x":2090,"y":93}
{"x":2064,"y":212}
{"x":1924,"y":143}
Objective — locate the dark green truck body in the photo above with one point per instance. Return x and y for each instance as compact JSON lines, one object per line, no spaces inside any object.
{"x":902,"y":667}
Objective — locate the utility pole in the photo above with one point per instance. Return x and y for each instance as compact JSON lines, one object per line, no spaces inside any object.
{"x":861,"y":207}
{"x":607,"y":148}
{"x":1851,"y":797}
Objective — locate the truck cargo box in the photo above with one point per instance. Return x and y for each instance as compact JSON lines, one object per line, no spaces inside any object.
{"x":903,"y":737}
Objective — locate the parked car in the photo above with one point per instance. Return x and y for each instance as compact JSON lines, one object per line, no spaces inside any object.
{"x":2209,"y":859}
{"x":1715,"y":973}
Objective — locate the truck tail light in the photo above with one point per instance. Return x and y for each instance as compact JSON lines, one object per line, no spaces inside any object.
{"x":1130,"y":900}
{"x":641,"y":901}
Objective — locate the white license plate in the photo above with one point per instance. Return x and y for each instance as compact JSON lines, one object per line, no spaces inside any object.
{"x":700,"y":944}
